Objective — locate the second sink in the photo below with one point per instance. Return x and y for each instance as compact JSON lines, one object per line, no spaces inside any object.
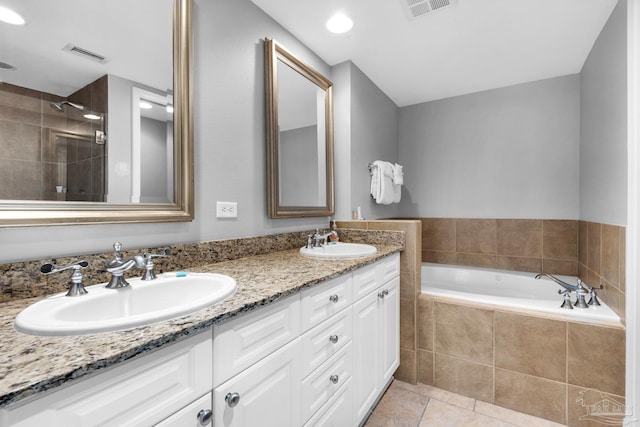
{"x":339,"y":250}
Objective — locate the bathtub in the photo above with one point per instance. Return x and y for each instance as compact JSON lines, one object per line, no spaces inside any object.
{"x":509,"y":290}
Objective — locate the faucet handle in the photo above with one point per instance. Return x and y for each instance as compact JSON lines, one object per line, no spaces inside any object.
{"x":117,"y":247}
{"x":149,"y":273}
{"x":567,"y":299}
{"x":76,"y":288}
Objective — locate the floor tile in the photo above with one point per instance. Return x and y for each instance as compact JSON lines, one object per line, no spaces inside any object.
{"x":513,"y":417}
{"x":439,"y":394}
{"x":398,"y":407}
{"x":440,"y":414}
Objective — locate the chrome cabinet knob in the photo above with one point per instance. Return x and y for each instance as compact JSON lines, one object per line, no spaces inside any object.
{"x":333,"y":338}
{"x":232,"y":399}
{"x":205,"y":416}
{"x":334,"y":379}
{"x":333,"y":298}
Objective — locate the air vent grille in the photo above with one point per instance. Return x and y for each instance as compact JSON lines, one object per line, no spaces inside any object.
{"x":85,"y":53}
{"x":418,"y":8}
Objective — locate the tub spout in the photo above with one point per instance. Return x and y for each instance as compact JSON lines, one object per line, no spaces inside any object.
{"x":565,"y":285}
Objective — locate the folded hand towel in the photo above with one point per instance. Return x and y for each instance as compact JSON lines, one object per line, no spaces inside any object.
{"x":397,"y":193}
{"x":383,"y":190}
{"x":398,"y":176}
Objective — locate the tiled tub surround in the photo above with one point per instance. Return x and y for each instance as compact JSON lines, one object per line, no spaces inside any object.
{"x":595,"y":252}
{"x":530,"y":364}
{"x":265,"y":268}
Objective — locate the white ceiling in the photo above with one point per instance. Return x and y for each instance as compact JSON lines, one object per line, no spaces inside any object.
{"x":134,"y":36}
{"x":474,"y":46}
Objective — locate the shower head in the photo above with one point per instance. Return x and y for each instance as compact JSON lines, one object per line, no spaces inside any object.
{"x":58,"y":106}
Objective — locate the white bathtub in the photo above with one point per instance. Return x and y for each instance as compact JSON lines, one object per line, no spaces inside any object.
{"x":509,"y":289}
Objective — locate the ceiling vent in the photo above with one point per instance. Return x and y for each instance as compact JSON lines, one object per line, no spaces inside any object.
{"x":85,"y":53}
{"x":418,"y":8}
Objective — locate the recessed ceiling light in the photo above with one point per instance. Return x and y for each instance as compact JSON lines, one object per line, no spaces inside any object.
{"x":145,"y":105}
{"x":92,"y":116}
{"x":10,"y":17}
{"x":170,"y":109}
{"x":339,"y":23}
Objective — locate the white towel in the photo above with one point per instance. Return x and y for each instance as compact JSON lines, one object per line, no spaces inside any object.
{"x":398,"y":176}
{"x":382,"y":188}
{"x":397,"y":192}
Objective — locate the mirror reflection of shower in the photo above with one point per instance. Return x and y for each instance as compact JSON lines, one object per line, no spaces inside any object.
{"x":59,"y":106}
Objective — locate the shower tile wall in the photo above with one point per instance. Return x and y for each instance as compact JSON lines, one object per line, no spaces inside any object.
{"x":595,"y":252}
{"x":29,"y":166}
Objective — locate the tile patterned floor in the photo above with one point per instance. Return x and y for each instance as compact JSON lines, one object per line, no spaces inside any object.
{"x":406,"y":405}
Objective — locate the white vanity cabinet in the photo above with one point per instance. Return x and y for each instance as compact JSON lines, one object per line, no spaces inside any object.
{"x":321,"y":357}
{"x":376,"y":324}
{"x":142,"y":392}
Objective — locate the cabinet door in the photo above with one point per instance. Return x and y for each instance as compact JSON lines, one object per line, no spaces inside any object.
{"x":191,"y":415}
{"x":268,"y":393}
{"x":390,"y":329}
{"x":140,"y":392}
{"x":366,"y":356}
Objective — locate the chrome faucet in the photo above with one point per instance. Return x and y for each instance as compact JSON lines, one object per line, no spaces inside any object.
{"x":321,"y":239}
{"x":76,"y":288}
{"x":117,"y":266}
{"x":565,"y":285}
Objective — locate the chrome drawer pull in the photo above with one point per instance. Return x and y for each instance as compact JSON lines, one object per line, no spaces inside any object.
{"x":205,"y":416}
{"x":232,"y":399}
{"x":334,"y":379}
{"x":333,"y":298}
{"x":333,"y":338}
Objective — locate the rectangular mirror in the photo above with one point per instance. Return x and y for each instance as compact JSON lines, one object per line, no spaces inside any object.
{"x":105,"y":135}
{"x":299,"y":107}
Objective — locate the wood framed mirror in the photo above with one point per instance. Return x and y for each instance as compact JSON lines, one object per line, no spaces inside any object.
{"x":299,"y":116}
{"x":54,"y":203}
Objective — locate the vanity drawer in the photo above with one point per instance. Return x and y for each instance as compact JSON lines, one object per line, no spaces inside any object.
{"x":325,"y":381}
{"x":365,"y":280}
{"x":239,"y":343}
{"x":337,"y":411}
{"x":323,"y":301}
{"x":388,"y":268}
{"x":325,"y":340}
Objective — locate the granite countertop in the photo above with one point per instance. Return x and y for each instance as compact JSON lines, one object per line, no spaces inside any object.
{"x":32,"y":364}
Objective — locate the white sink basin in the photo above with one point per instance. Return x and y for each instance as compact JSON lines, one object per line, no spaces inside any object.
{"x":171,"y":295}
{"x":339,"y":250}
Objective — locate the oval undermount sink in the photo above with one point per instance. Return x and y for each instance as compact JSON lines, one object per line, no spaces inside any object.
{"x":170,"y":296}
{"x":339,"y":250}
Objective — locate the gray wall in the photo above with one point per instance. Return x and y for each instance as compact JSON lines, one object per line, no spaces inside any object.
{"x":505,"y":153}
{"x":298,"y":164}
{"x":603,"y":150}
{"x":153,"y":170}
{"x":366,"y":129}
{"x":230,"y":147}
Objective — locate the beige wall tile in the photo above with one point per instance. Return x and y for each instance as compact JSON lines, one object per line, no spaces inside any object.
{"x":610,"y":252}
{"x":407,"y":284}
{"x":407,"y":371}
{"x":438,"y":234}
{"x":555,"y":266}
{"x":439,"y":257}
{"x":519,"y":264}
{"x":579,"y":413}
{"x":356,"y":225}
{"x":596,"y":357}
{"x":19,"y":141}
{"x":476,"y":236}
{"x":424,"y":324}
{"x":477,"y":260}
{"x":582,"y":241}
{"x":531,"y":345}
{"x":560,"y":239}
{"x":425,"y":367}
{"x":531,"y":395}
{"x":407,"y":323}
{"x":594,"y":241}
{"x":464,"y":377}
{"x":519,"y":237}
{"x":465,"y":332}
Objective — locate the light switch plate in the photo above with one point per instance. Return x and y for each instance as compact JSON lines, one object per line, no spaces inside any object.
{"x":226,"y":209}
